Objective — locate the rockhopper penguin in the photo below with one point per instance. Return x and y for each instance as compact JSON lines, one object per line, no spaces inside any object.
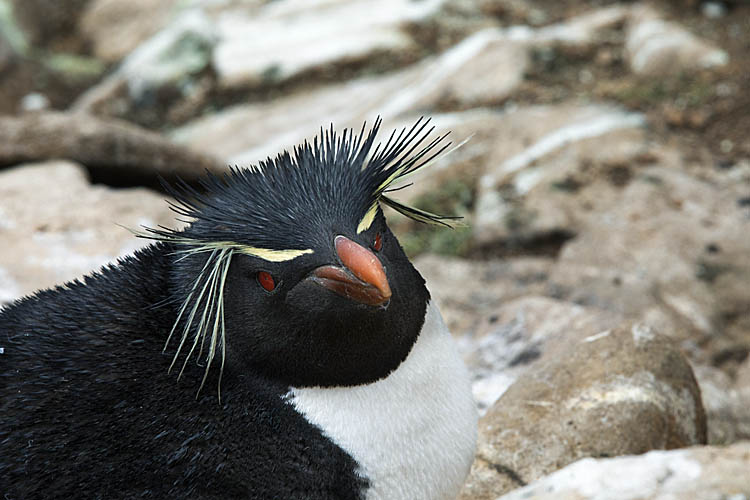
{"x":280,"y":346}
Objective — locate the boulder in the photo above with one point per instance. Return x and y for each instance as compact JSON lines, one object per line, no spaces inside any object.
{"x":491,"y":62}
{"x":625,"y":390}
{"x":522,"y":335}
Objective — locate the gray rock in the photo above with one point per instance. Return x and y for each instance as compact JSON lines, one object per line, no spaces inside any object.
{"x":61,"y":227}
{"x":34,"y":101}
{"x":699,"y":473}
{"x":283,"y":39}
{"x":169,"y":58}
{"x":657,"y":47}
{"x":727,"y":403}
{"x":582,"y":30}
{"x":666,"y":247}
{"x":483,"y":69}
{"x":625,"y":390}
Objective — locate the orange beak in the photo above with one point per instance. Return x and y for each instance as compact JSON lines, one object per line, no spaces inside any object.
{"x":361,"y":279}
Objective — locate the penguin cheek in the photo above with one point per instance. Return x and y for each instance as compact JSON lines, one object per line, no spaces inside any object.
{"x":305,"y":298}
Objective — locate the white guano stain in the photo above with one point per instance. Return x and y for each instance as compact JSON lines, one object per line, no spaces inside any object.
{"x":642,"y":334}
{"x":658,"y":474}
{"x":600,"y":335}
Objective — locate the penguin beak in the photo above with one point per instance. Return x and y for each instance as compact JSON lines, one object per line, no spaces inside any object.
{"x":362,"y":277}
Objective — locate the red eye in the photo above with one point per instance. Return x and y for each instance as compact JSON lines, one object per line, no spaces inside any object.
{"x":378,"y":244}
{"x":266,"y":281}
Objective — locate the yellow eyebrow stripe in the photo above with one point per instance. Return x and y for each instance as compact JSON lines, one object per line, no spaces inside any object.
{"x":272,"y":255}
{"x":366,"y":221}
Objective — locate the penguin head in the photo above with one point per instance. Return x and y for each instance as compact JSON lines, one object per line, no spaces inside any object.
{"x":289,"y":269}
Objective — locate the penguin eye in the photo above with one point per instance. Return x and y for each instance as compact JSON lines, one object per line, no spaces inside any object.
{"x":378,"y":243}
{"x":266,"y":281}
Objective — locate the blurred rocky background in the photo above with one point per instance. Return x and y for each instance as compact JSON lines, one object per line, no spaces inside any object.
{"x":600,"y":290}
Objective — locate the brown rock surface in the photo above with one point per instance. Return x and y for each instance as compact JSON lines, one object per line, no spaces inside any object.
{"x":622,"y":391}
{"x":484,"y":287}
{"x":652,"y":236}
{"x":120,"y":149}
{"x":523,"y":335}
{"x":61,"y":227}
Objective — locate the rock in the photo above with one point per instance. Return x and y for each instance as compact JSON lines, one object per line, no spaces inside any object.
{"x":536,"y":145}
{"x":165,"y":62}
{"x":484,"y":287}
{"x":262,"y":129}
{"x":582,"y":30}
{"x":713,"y":10}
{"x":521,"y":335}
{"x":299,"y":36}
{"x":727,"y":404}
{"x":665,"y":247}
{"x":624,"y":390}
{"x":484,"y":69}
{"x":656,"y":47}
{"x":45,"y":22}
{"x":245,"y":134}
{"x":699,"y":473}
{"x":114,"y":149}
{"x":13,"y":40}
{"x":116,"y":28}
{"x":641,"y":232}
{"x":34,"y":101}
{"x":61,"y":227}
{"x":181,"y":50}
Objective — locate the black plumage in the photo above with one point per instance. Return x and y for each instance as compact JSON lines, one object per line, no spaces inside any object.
{"x":88,"y":405}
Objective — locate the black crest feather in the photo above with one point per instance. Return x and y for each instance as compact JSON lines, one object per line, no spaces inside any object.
{"x":334,"y":178}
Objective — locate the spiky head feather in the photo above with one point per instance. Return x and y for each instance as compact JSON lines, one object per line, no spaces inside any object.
{"x":275,"y":204}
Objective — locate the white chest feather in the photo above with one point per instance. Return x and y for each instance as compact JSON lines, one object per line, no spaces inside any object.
{"x":414,"y":432}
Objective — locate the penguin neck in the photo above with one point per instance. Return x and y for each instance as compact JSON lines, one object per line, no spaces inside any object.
{"x":422,"y":413}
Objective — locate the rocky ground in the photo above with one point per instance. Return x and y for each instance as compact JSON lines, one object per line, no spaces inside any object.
{"x":600,"y":290}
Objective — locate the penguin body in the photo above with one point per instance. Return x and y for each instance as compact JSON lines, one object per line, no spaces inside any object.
{"x":281,"y":346}
{"x":418,"y":426}
{"x":93,"y":415}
